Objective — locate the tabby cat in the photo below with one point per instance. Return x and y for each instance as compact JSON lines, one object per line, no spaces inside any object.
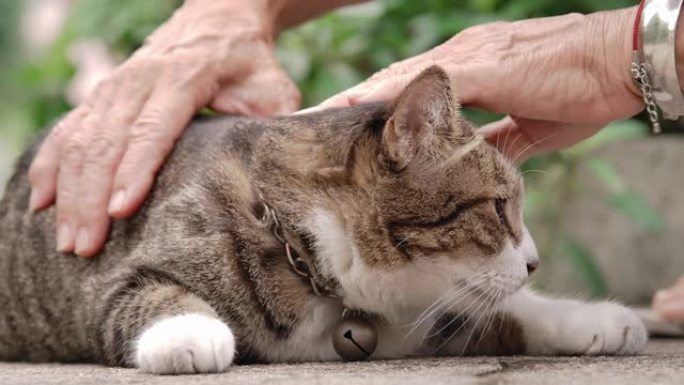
{"x":400,"y":212}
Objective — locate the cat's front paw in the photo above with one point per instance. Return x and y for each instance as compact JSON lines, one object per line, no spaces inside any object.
{"x":601,"y":328}
{"x":184,"y":344}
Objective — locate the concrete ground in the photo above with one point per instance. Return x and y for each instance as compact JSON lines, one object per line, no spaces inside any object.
{"x":662,"y":363}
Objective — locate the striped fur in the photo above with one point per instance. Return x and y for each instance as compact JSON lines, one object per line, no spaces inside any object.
{"x":394,"y":204}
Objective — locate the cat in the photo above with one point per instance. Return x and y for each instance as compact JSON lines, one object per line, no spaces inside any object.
{"x":397,"y":211}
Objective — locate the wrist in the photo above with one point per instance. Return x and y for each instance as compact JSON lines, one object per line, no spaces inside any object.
{"x":679,"y":49}
{"x":613,"y":30}
{"x":258,"y":15}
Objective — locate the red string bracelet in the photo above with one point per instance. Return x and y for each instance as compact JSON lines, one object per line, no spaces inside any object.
{"x":637,"y":24}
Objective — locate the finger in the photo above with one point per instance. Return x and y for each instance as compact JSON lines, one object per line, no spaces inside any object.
{"x":151,"y":139}
{"x":266,"y":91}
{"x":109,"y":125}
{"x":45,"y":166}
{"x":384,"y":85}
{"x":680,"y":283}
{"x":66,"y":203}
{"x":670,"y":304}
{"x":512,"y":139}
{"x":518,"y":138}
{"x":368,"y":92}
{"x":71,"y":157}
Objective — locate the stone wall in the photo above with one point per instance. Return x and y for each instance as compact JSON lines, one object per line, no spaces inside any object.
{"x":634,"y":262}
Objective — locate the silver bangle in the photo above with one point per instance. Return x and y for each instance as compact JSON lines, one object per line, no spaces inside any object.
{"x":658,"y":27}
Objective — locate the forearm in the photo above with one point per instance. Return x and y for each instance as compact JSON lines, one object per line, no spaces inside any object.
{"x":679,"y":49}
{"x":293,"y":12}
{"x":273,"y":15}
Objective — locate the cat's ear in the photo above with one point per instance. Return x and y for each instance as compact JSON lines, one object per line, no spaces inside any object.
{"x":426,"y":109}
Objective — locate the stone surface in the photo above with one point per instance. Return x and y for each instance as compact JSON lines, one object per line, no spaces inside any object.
{"x":662,"y":363}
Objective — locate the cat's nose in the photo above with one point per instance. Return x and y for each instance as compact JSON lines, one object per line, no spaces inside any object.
{"x":529,"y":250}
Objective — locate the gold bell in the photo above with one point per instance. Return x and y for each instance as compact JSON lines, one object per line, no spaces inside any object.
{"x":355,"y":338}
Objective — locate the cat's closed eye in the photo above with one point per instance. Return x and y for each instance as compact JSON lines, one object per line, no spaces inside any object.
{"x":500,"y":207}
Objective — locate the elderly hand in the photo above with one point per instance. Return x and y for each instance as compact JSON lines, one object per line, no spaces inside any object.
{"x":559,"y":79}
{"x":101,"y":159}
{"x":669,"y":303}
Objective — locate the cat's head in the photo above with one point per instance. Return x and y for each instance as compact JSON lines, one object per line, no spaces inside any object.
{"x":438,"y":210}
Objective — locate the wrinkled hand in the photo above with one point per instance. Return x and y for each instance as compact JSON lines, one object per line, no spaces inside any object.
{"x":669,"y":303}
{"x":559,"y":79}
{"x":101,"y":159}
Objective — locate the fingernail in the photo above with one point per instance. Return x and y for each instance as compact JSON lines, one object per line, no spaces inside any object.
{"x":116,"y":205}
{"x":82,"y":241}
{"x":63,"y":237}
{"x":33,"y":201}
{"x":306,"y":110}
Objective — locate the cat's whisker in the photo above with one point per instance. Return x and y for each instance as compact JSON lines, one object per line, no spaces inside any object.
{"x":530,"y":145}
{"x":526,"y":178}
{"x":448,"y":300}
{"x":492,"y":315}
{"x":508,"y":133}
{"x":512,"y":146}
{"x":535,"y":170}
{"x":503,"y":319}
{"x":467,"y":320}
{"x":403,"y":240}
{"x":484,"y":306}
{"x":498,"y":136}
{"x":473,"y":302}
{"x":482,"y":314}
{"x":438,"y":303}
{"x":427,"y":334}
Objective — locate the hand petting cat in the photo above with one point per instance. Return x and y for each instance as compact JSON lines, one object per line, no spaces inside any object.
{"x":101,"y":159}
{"x":558,"y":79}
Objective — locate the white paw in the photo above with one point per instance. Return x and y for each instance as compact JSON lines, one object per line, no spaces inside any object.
{"x":187,"y":343}
{"x":600,"y":328}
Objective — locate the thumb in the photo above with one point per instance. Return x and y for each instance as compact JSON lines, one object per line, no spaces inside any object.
{"x":382,"y":86}
{"x":520,"y":138}
{"x":507,"y":136}
{"x":369,"y":91}
{"x":266,"y":90}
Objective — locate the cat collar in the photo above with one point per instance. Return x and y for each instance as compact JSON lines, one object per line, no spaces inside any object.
{"x":355,"y":336}
{"x":298,"y":264}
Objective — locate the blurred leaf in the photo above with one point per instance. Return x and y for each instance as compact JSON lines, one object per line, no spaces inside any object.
{"x":534,"y":200}
{"x":607,"y":174}
{"x":424,"y":34}
{"x":636,"y":208}
{"x":585,"y":264}
{"x":621,"y":199}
